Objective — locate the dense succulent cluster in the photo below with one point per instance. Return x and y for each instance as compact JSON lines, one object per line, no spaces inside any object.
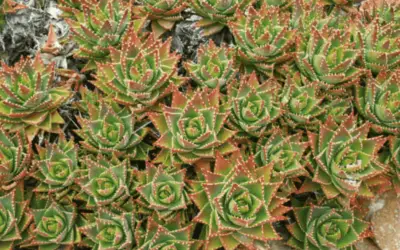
{"x":278,"y":123}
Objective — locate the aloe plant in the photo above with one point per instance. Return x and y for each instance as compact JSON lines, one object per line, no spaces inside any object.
{"x":215,"y":67}
{"x":322,"y":227}
{"x":104,"y":182}
{"x":15,"y":217}
{"x":263,"y":38}
{"x":328,"y":56}
{"x":216,"y":14}
{"x":378,"y":101}
{"x":162,"y":191}
{"x":380,"y":45}
{"x":56,"y":167}
{"x":97,"y":27}
{"x":192,"y":128}
{"x":110,"y":129}
{"x":15,"y":158}
{"x":55,"y":227}
{"x":140,"y":73}
{"x":394,"y":156}
{"x":110,"y":230}
{"x":233,"y":202}
{"x":255,"y":106}
{"x":385,"y":11}
{"x":28,"y":98}
{"x":344,"y":159}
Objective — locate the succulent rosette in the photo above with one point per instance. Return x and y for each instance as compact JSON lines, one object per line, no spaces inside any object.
{"x":234,"y":203}
{"x":216,"y":14}
{"x":97,"y":27}
{"x":56,"y":227}
{"x":15,"y":158}
{"x":140,"y":73}
{"x":110,"y":129}
{"x":328,"y":56}
{"x":163,"y":13}
{"x":192,"y":128}
{"x":155,"y":235}
{"x":302,"y":101}
{"x":323,"y":227}
{"x":28,"y":98}
{"x":162,"y":191}
{"x":215,"y":67}
{"x":56,"y":167}
{"x":255,"y":106}
{"x":104,"y":182}
{"x":15,"y":218}
{"x":380,"y":45}
{"x":344,"y":159}
{"x":263,"y":38}
{"x":284,"y":152}
{"x":379,"y":101}
{"x":110,"y":230}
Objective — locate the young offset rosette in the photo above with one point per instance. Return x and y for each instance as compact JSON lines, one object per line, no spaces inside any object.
{"x":380,"y":45}
{"x":285,"y":154}
{"x":329,"y":57}
{"x":234,"y":202}
{"x":263,"y":38}
{"x":192,"y":128}
{"x":215,"y":67}
{"x":110,"y":230}
{"x":163,"y":13}
{"x":216,"y":14}
{"x":140,"y":73}
{"x":97,"y":27}
{"x":15,"y":218}
{"x":110,"y":129}
{"x":56,"y":227}
{"x":379,"y":101}
{"x":56,"y":167}
{"x":152,"y":234}
{"x":104,"y":182}
{"x":325,"y":228}
{"x":29,"y":99}
{"x":15,"y":158}
{"x":254,"y":106}
{"x":162,"y":191}
{"x":302,"y":101}
{"x":386,"y":11}
{"x":345,"y":160}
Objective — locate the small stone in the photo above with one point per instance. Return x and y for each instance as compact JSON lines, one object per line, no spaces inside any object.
{"x":384,"y":225}
{"x":366,"y":244}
